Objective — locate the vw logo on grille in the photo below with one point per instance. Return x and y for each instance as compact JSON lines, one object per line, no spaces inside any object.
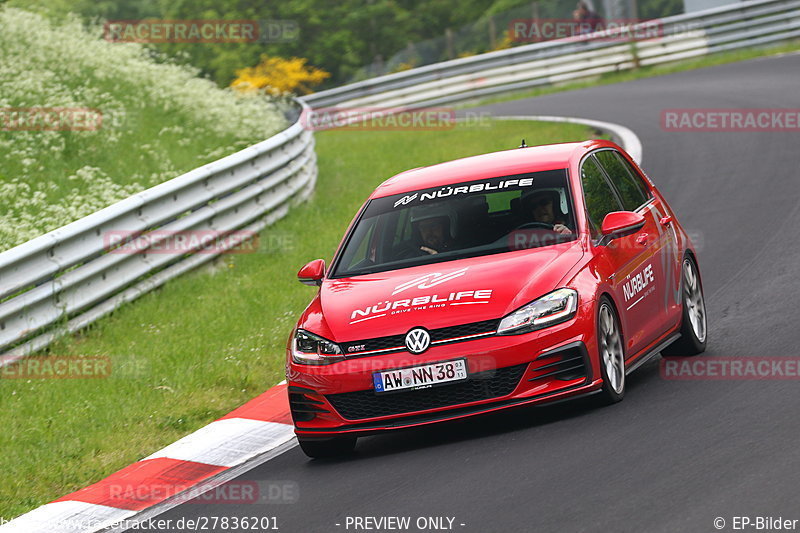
{"x":418,"y":340}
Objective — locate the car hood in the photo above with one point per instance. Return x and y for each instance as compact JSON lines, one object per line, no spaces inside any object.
{"x":442,"y":294}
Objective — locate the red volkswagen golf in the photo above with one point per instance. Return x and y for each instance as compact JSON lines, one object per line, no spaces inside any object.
{"x":525,"y":276}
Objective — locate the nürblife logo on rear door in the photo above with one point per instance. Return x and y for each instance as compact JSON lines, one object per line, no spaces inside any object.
{"x":637,"y":284}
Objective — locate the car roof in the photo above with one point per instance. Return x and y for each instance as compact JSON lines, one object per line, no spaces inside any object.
{"x":491,"y":165}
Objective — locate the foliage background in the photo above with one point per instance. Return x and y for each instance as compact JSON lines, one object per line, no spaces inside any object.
{"x":351,"y":39}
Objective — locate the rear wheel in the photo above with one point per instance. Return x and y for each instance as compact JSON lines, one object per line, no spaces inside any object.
{"x":327,"y":448}
{"x":612,"y":354}
{"x":693,"y":318}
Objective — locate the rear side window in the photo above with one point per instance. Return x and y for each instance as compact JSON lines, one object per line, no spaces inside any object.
{"x":501,"y":201}
{"x":631,"y":190}
{"x":600,"y":199}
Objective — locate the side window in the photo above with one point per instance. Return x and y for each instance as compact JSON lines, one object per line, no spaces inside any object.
{"x":628,"y":184}
{"x":600,"y":199}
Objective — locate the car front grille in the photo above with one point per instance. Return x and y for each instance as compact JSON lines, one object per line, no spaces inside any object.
{"x":487,"y":385}
{"x":396,"y":343}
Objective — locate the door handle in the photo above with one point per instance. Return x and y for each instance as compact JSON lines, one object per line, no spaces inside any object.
{"x":666,"y":221}
{"x":642,"y":239}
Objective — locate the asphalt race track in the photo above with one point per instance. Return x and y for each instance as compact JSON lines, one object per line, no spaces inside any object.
{"x":674,"y":455}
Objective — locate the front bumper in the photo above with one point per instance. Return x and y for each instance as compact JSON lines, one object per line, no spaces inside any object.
{"x":505,"y":371}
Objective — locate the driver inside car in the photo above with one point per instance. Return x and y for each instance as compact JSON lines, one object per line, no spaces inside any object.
{"x":432,"y":225}
{"x":540,"y":206}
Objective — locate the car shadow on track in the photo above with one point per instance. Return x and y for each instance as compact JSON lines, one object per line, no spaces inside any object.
{"x":494,"y":424}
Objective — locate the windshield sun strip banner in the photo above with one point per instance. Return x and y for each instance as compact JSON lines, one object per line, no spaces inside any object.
{"x":512,"y":182}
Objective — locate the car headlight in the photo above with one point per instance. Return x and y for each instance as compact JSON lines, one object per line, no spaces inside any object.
{"x":557,"y":306}
{"x":310,"y":349}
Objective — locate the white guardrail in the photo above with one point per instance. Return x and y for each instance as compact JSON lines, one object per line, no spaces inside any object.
{"x":739,"y":25}
{"x":64,"y":280}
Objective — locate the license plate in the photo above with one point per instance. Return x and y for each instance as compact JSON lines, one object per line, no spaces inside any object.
{"x":420,"y":377}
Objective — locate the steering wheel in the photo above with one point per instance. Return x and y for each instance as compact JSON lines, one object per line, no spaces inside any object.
{"x":532,"y":225}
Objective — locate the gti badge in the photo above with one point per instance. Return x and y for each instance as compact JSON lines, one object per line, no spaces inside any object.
{"x":418,"y":340}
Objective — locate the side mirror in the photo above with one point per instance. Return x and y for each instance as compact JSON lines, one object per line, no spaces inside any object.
{"x":619,"y":224}
{"x":312,"y":273}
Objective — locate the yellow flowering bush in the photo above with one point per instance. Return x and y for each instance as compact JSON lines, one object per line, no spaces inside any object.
{"x":505,"y":42}
{"x":407,"y":65}
{"x":278,"y":75}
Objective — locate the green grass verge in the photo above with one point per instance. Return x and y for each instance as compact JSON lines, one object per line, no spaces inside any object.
{"x":206,"y":343}
{"x":721,"y":58}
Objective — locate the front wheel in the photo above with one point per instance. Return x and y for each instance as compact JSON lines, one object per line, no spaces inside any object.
{"x":327,"y":448}
{"x":612,"y":353}
{"x":693,"y":317}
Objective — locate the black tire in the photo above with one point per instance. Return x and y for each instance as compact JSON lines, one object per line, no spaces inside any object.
{"x":327,"y":448}
{"x":690,"y":342}
{"x":611,"y":353}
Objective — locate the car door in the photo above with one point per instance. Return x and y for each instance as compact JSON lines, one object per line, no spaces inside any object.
{"x":627,"y":261}
{"x":661,"y":240}
{"x":668,"y":242}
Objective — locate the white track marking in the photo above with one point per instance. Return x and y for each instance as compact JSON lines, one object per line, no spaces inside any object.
{"x":228,"y":442}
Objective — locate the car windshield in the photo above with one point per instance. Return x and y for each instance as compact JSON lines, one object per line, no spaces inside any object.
{"x":461,"y":220}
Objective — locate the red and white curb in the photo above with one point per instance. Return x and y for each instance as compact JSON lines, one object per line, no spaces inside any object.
{"x":252,"y":434}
